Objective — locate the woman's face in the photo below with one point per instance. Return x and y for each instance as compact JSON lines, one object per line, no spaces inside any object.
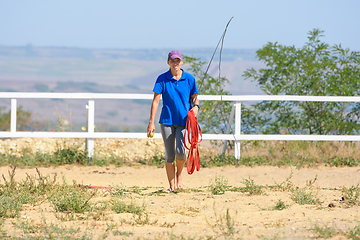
{"x":175,"y":64}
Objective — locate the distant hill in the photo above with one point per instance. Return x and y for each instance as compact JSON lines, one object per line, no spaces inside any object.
{"x":47,"y":69}
{"x":205,"y":54}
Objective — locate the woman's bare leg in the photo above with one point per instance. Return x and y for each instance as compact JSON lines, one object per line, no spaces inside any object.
{"x":170,"y":171}
{"x":179,"y":180}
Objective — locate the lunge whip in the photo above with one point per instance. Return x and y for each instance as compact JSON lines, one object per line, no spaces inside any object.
{"x":192,"y":128}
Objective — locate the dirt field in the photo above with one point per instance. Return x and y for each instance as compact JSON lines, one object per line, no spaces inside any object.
{"x":197,"y":213}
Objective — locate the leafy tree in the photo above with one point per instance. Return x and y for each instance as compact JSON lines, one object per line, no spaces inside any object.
{"x":316,"y":69}
{"x":23,"y":120}
{"x":214,"y":115}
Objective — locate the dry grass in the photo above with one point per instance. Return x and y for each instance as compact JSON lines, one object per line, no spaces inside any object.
{"x":61,"y":211}
{"x":151,"y":151}
{"x":307,"y":151}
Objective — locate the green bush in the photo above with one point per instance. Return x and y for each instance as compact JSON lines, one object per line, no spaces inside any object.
{"x":341,"y":162}
{"x":351,"y":195}
{"x":280,"y":205}
{"x":251,"y":187}
{"x":119,"y":206}
{"x":252,"y":161}
{"x":9,"y":207}
{"x":69,"y":156}
{"x":301,"y":197}
{"x":74,"y":199}
{"x":157,"y":160}
{"x":219,"y":186}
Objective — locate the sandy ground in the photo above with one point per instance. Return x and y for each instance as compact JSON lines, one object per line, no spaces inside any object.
{"x":198,"y":214}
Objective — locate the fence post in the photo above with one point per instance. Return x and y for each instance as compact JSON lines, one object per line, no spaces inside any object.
{"x":13,"y":116}
{"x":91,"y":125}
{"x":228,"y":128}
{"x":237,"y":129}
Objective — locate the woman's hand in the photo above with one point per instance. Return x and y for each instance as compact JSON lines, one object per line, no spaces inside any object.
{"x":154,"y":107}
{"x":195,"y":109}
{"x":150,"y":129}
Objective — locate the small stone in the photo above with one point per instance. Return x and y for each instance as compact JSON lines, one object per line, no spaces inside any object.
{"x":331,"y":205}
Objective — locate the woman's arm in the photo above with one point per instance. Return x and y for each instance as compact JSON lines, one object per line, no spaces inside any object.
{"x":195,"y":101}
{"x":154,"y":107}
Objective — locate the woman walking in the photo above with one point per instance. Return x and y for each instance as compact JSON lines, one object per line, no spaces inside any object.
{"x":179,"y":93}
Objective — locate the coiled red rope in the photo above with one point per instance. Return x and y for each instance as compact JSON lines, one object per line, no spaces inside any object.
{"x":193,"y":131}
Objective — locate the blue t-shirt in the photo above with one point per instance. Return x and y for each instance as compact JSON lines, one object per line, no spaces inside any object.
{"x":176,"y":97}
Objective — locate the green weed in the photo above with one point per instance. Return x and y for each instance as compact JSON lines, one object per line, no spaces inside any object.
{"x":73,"y":199}
{"x":343,"y":161}
{"x":301,"y":153}
{"x":120,"y":206}
{"x":142,"y":218}
{"x":99,"y":210}
{"x":3,"y":232}
{"x":253,"y":161}
{"x":219,"y":160}
{"x":121,"y":190}
{"x":351,"y":195}
{"x":173,"y":236}
{"x":9,"y":207}
{"x":157,"y":160}
{"x":224,"y":225}
{"x":187,"y":211}
{"x":251,"y":187}
{"x":325,"y":231}
{"x":302,"y":197}
{"x":46,"y":231}
{"x":354,"y":233}
{"x":286,"y":185}
{"x":275,"y":237}
{"x":118,"y":191}
{"x":14,"y":194}
{"x":280,"y":205}
{"x":137,"y":190}
{"x":116,"y":160}
{"x":69,"y":156}
{"x":122,"y":233}
{"x":219,"y":186}
{"x":189,"y":190}
{"x":310,"y":183}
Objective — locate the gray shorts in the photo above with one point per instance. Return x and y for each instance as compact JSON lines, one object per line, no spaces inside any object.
{"x":169,"y":134}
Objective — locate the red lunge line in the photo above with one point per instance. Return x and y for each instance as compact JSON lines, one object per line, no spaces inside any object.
{"x":193,"y":130}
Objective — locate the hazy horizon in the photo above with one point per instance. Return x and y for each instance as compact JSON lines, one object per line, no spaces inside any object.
{"x":162,"y":24}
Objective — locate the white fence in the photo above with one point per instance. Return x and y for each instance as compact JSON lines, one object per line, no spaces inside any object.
{"x":90,"y":135}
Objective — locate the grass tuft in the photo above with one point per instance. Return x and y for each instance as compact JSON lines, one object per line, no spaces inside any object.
{"x":251,"y":187}
{"x":224,"y":224}
{"x":120,"y":206}
{"x":280,"y":205}
{"x":71,"y":199}
{"x":219,"y":186}
{"x":351,"y":195}
{"x":302,"y":197}
{"x":9,"y":207}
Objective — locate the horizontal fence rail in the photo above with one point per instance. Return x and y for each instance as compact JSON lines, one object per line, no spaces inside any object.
{"x":90,"y":135}
{"x":36,"y":95}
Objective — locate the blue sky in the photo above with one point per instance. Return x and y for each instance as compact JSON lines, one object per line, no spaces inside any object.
{"x":183,"y":24}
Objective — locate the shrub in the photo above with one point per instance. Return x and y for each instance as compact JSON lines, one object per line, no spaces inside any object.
{"x":70,"y":155}
{"x":351,"y":195}
{"x":120,"y":206}
{"x":74,"y":199}
{"x":251,"y":187}
{"x":219,"y":186}
{"x":9,"y":207}
{"x":301,"y":197}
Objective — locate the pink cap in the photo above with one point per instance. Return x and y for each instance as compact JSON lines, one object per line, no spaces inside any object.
{"x":174,"y":54}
